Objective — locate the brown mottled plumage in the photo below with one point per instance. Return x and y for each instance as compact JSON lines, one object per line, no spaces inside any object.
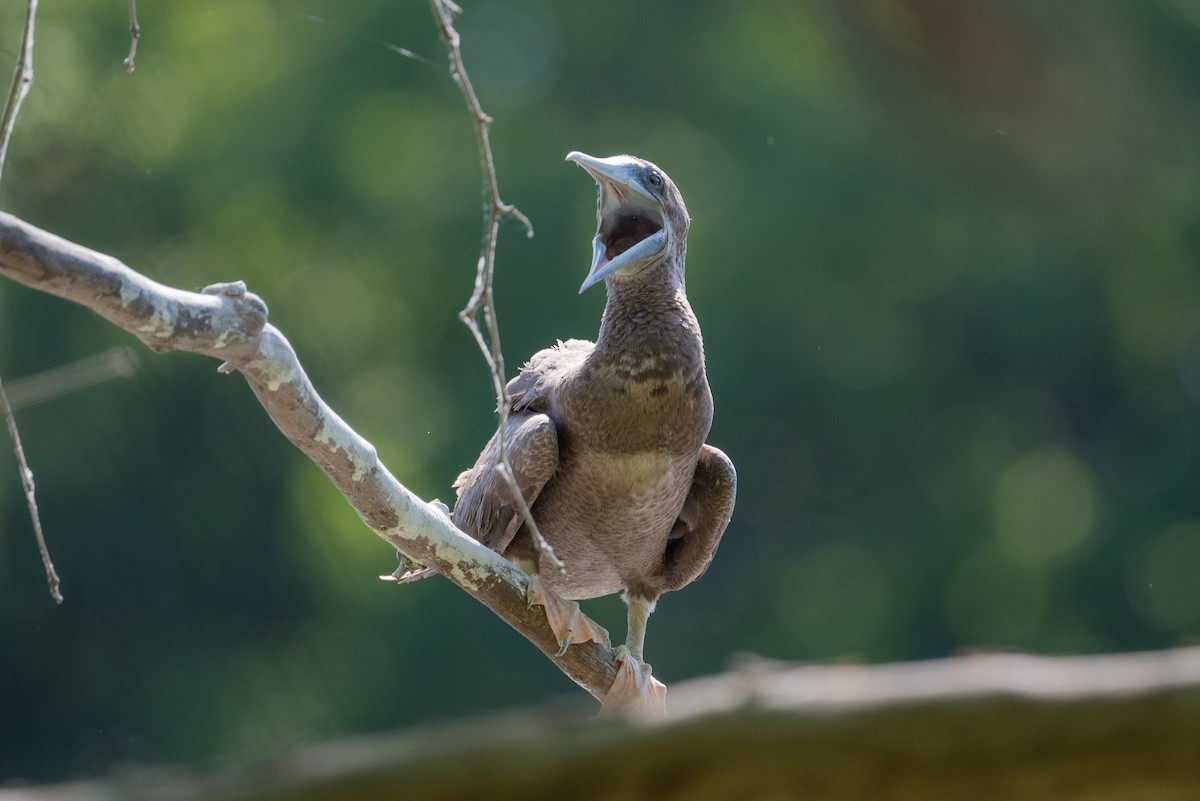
{"x":607,"y":440}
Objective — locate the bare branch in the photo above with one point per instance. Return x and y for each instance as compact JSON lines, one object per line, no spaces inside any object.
{"x":135,"y":33}
{"x":30,"y":497}
{"x":482,"y":299}
{"x":227,"y":322}
{"x":22,"y":80}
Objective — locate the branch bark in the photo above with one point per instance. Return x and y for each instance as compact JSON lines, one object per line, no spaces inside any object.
{"x":229,"y":323}
{"x":135,"y":33}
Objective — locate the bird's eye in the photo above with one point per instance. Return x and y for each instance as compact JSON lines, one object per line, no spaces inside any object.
{"x":654,"y":180}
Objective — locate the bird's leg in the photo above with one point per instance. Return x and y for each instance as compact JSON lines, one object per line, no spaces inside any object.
{"x":635,"y":688}
{"x":639,"y":613}
{"x":566,"y":619}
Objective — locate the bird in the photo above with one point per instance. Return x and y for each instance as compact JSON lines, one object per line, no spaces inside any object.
{"x":606,"y":440}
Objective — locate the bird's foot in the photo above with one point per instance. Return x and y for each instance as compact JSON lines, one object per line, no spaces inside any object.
{"x":408,"y":570}
{"x":635,"y":690}
{"x":566,"y":619}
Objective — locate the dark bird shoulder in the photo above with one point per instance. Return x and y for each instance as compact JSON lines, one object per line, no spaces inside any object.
{"x":545,"y":372}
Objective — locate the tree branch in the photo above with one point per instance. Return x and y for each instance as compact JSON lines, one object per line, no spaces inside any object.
{"x":22,"y":80}
{"x":135,"y":33}
{"x":227,"y":322}
{"x":30,"y":496}
{"x":483,"y":301}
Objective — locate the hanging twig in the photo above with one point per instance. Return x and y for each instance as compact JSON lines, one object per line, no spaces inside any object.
{"x":482,"y":299}
{"x":120,"y":360}
{"x":135,"y":33}
{"x":22,"y":80}
{"x":30,"y":499}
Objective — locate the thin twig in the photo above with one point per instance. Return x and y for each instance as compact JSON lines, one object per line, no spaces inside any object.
{"x":375,"y":40}
{"x":135,"y":33}
{"x":119,"y":361}
{"x":482,"y":299}
{"x":30,"y":499}
{"x":22,"y":80}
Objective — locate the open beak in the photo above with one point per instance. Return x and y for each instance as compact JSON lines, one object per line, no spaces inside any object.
{"x":630,"y":224}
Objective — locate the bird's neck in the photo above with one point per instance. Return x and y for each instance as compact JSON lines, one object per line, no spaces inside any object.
{"x":645,"y":377}
{"x":648,"y":316}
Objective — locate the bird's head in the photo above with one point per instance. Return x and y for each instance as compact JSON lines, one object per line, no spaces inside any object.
{"x":641,"y":220}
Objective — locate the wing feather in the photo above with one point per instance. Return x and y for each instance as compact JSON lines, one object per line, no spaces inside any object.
{"x":486,"y":508}
{"x":703,"y":519}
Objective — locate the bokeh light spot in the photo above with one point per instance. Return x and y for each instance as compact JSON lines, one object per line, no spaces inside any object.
{"x":515,"y":50}
{"x":1044,"y":505}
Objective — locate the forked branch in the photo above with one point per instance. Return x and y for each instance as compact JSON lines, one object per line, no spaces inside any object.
{"x":227,"y":322}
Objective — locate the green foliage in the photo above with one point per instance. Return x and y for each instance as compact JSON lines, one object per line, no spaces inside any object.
{"x":945,"y":256}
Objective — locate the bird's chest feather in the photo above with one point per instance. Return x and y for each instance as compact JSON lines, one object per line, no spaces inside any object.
{"x":641,"y":405}
{"x":611,"y":515}
{"x":630,"y":432}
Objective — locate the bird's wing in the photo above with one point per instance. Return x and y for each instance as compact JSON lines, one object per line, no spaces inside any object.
{"x":535,"y":385}
{"x":486,"y":508}
{"x":702,"y":521}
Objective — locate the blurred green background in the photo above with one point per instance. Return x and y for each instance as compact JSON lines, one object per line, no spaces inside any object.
{"x":946,"y":257}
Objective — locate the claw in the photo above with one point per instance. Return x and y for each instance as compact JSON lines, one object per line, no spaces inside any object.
{"x":407,"y":571}
{"x":635,"y":690}
{"x":566,"y":619}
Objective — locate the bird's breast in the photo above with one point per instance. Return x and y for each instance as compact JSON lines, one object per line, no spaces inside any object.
{"x":608,"y":517}
{"x":637,"y":476}
{"x":635,"y":408}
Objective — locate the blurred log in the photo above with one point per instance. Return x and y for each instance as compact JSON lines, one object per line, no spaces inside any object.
{"x":987,"y":727}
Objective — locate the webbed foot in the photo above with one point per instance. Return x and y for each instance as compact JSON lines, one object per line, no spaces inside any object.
{"x":635,"y":689}
{"x":566,"y":619}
